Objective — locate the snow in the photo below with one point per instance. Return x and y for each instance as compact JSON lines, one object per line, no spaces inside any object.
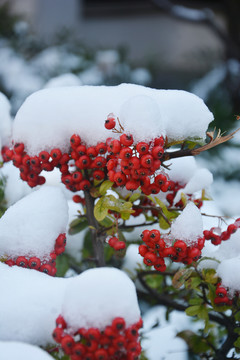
{"x":49,"y":117}
{"x":5,"y":121}
{"x":10,"y":350}
{"x":67,"y":79}
{"x":201,"y":179}
{"x":229,"y":272}
{"x":15,"y":189}
{"x":97,"y":296}
{"x":188,"y":226}
{"x":35,"y":222}
{"x":182,"y":169}
{"x":30,"y":304}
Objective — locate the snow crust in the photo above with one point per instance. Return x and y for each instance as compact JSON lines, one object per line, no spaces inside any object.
{"x":35,"y":222}
{"x":49,"y":117}
{"x":29,"y":304}
{"x":67,"y":79}
{"x":10,"y":350}
{"x":188,"y":225}
{"x":97,"y":296}
{"x":5,"y":121}
{"x":91,"y":299}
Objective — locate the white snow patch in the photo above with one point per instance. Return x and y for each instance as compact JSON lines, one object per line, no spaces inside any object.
{"x":5,"y":121}
{"x":10,"y":350}
{"x":97,"y":296}
{"x":188,"y":226}
{"x":49,"y":117}
{"x":35,"y":222}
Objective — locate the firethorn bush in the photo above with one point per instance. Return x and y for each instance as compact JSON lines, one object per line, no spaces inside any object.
{"x":124,"y":158}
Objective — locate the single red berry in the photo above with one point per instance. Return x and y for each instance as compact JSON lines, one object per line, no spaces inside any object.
{"x":125,"y":153}
{"x":111,"y":164}
{"x":160,"y":180}
{"x":154,"y":235}
{"x":101,"y":148}
{"x":99,"y":162}
{"x":114,"y":146}
{"x":142,"y":148}
{"x":84,"y":185}
{"x":61,"y":240}
{"x":118,"y":324}
{"x":58,"y":334}
{"x":149,"y":259}
{"x":110,"y":123}
{"x":77,"y":176}
{"x":10,"y":262}
{"x":75,"y":140}
{"x":93,"y":334}
{"x":83,"y":162}
{"x":41,"y":180}
{"x":112,"y":241}
{"x":231,"y":229}
{"x":64,"y":159}
{"x":154,"y":189}
{"x":21,"y":261}
{"x":56,"y":154}
{"x":77,"y":198}
{"x":91,"y":152}
{"x":132,"y":185}
{"x":126,"y":140}
{"x":146,"y":161}
{"x":60,"y":322}
{"x":46,"y":268}
{"x":120,"y":178}
{"x":120,"y":245}
{"x":47,"y":166}
{"x":79,"y":350}
{"x":92,"y":346}
{"x":194,"y":253}
{"x":34,"y":263}
{"x":18,"y":148}
{"x":180,"y":246}
{"x":67,"y":344}
{"x":17,"y":160}
{"x":145,"y":235}
{"x":134,"y":162}
{"x":101,"y":354}
{"x":142,"y":249}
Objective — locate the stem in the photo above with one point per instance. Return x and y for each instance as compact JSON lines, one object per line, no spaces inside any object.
{"x":97,"y":240}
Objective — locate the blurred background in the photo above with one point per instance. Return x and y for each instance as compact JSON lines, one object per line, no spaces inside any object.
{"x":192,"y":45}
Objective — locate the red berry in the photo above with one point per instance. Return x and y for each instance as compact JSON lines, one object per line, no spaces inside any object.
{"x":56,"y":154}
{"x":10,"y":262}
{"x":101,"y":354}
{"x":112,"y":241}
{"x":67,"y":344}
{"x":101,"y":148}
{"x":21,"y":261}
{"x":118,"y":324}
{"x":92,"y":152}
{"x":93,"y":334}
{"x":58,"y":334}
{"x":180,"y":247}
{"x":126,"y":140}
{"x":120,"y":179}
{"x":34,"y":262}
{"x":77,"y":199}
{"x":60,"y":322}
{"x":132,"y":185}
{"x":146,"y":161}
{"x":46,"y":268}
{"x":84,"y":185}
{"x":61,"y":240}
{"x":19,"y":148}
{"x":79,"y":350}
{"x":142,"y":148}
{"x":83,"y":162}
{"x":75,"y":140}
{"x":120,"y":245}
{"x":145,"y":235}
{"x":142,"y":249}
{"x":149,"y":259}
{"x":110,"y":123}
{"x":125,"y":153}
{"x":77,"y":176}
{"x":154,"y":235}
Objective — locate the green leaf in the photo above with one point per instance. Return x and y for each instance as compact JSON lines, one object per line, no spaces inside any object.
{"x":101,"y":209}
{"x":180,"y":277}
{"x":237,"y":343}
{"x":106,"y":222}
{"x":77,"y":225}
{"x":196,"y":301}
{"x":62,"y":265}
{"x":209,"y":276}
{"x":193,"y":283}
{"x":193,"y":310}
{"x":107,"y":184}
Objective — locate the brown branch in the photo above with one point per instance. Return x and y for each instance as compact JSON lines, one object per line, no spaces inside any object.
{"x":193,"y":152}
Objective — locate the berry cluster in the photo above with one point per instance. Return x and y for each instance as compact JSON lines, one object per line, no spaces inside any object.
{"x":116,"y":244}
{"x":175,"y":187}
{"x":158,"y":247}
{"x":122,"y":161}
{"x":115,"y":342}
{"x":222,"y":297}
{"x":216,"y":236}
{"x":48,"y":266}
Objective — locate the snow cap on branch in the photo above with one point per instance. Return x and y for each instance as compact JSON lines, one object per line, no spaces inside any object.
{"x":35,"y":222}
{"x":49,"y":117}
{"x":97,"y":296}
